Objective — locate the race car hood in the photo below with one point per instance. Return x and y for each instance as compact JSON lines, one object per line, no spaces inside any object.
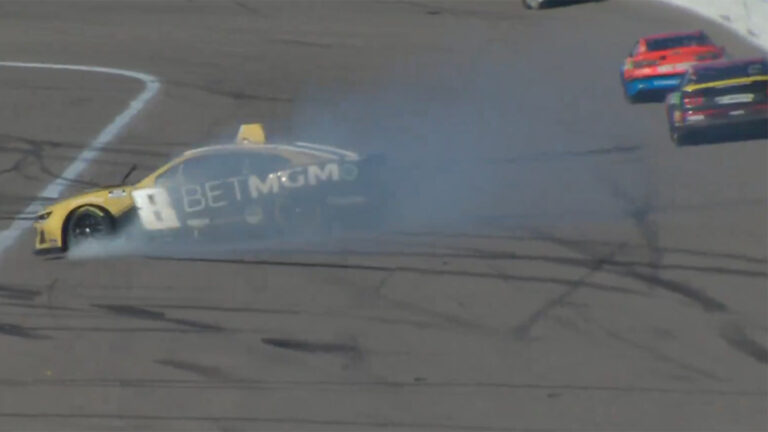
{"x":115,"y":199}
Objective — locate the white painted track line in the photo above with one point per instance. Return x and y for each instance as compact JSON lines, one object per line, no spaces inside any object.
{"x":56,"y":187}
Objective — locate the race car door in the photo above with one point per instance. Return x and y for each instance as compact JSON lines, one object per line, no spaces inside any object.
{"x":210,"y":190}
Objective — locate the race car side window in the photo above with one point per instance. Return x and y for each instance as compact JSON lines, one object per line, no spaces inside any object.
{"x":635,"y":50}
{"x":265,"y":164}
{"x":668,"y":43}
{"x":206,"y":168}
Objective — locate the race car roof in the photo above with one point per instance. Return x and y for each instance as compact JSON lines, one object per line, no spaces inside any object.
{"x":314,"y":150}
{"x":719,"y":64}
{"x":673,"y":35}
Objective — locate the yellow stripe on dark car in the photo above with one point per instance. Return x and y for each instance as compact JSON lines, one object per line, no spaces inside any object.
{"x":735,"y":81}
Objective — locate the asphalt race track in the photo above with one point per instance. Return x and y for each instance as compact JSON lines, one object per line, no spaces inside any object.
{"x":556,"y":263}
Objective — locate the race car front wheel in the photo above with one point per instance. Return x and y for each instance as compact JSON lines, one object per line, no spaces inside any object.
{"x":88,"y":223}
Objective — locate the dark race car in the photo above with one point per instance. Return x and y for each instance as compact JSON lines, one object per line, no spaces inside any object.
{"x":723,"y":94}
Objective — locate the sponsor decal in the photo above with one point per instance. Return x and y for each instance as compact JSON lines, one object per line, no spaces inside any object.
{"x":666,"y":81}
{"x":675,"y":67}
{"x":210,"y":194}
{"x":155,"y":208}
{"x":736,"y":98}
{"x":117,"y":193}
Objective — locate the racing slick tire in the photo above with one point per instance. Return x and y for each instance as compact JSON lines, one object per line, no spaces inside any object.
{"x":680,"y":137}
{"x":87,"y":223}
{"x":300,"y":218}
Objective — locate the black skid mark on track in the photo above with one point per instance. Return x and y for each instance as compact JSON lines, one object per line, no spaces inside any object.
{"x":20,"y":332}
{"x":290,"y":312}
{"x":709,"y":304}
{"x":232,"y":94}
{"x":640,"y":210}
{"x":16,"y":167}
{"x":523,"y":330}
{"x":36,"y":153}
{"x":208,"y":372}
{"x":302,"y":43}
{"x":351,"y":354}
{"x":588,"y":262}
{"x":406,"y":269}
{"x":660,"y":356}
{"x":706,"y":302}
{"x":443,"y":317}
{"x":291,"y":423}
{"x":414,"y":383}
{"x":576,"y":242}
{"x":246,"y":7}
{"x":737,"y":338}
{"x":313,"y":347}
{"x":720,"y":255}
{"x":40,"y":307}
{"x":150,"y":315}
{"x":8,"y":293}
{"x":78,"y":148}
{"x":480,"y":254}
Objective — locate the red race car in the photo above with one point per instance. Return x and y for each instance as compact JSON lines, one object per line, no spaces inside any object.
{"x":657,"y":64}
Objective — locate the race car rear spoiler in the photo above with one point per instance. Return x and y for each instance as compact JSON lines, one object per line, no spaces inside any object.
{"x":250,"y":134}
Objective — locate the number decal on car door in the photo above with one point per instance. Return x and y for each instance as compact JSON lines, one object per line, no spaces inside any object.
{"x":155,"y":209}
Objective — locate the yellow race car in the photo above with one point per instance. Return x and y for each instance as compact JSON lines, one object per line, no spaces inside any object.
{"x":247,"y":185}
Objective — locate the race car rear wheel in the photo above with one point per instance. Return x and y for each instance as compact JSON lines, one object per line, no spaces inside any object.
{"x":296,"y":217}
{"x":679,"y":137}
{"x":88,"y":223}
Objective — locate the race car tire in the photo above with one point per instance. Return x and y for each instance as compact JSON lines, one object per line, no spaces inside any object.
{"x":680,"y":137}
{"x":86,"y":224}
{"x":533,"y":4}
{"x":296,"y":217}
